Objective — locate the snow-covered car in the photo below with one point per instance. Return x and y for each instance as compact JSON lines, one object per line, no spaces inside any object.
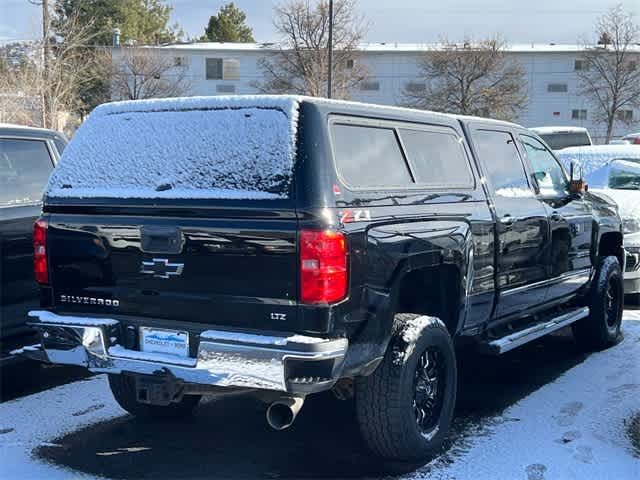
{"x":559,"y":138}
{"x":614,"y":170}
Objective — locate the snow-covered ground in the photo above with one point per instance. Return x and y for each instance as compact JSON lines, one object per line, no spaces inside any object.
{"x":571,"y":428}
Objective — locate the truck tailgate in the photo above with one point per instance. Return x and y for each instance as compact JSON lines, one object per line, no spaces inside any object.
{"x":236,"y":272}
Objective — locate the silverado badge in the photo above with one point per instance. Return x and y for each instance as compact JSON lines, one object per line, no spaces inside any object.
{"x":107,"y":302}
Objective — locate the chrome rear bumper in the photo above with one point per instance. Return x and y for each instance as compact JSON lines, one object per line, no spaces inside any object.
{"x":294,"y":364}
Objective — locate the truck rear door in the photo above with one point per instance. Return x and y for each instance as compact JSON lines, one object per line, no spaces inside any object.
{"x":522,"y":228}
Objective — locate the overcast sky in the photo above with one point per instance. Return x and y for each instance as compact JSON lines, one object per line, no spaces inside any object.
{"x":559,"y":21}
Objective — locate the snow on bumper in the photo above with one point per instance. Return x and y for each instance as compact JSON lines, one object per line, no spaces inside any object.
{"x":295,"y":364}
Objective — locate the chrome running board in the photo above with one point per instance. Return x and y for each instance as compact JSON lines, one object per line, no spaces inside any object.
{"x":517,"y":339}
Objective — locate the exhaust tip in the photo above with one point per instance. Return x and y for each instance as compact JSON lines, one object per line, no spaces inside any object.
{"x":282,"y":413}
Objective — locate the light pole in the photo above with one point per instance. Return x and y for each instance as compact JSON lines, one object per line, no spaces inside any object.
{"x":330,"y":62}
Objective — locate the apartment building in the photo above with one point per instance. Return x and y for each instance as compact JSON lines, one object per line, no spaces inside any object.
{"x":551,"y":73}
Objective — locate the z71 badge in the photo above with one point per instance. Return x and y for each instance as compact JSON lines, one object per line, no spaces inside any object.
{"x":350,"y":216}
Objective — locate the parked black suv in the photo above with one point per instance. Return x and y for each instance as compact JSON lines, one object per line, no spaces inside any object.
{"x":27,"y":157}
{"x":281,"y":246}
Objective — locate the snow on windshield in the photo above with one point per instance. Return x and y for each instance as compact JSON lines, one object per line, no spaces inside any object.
{"x":202,"y":147}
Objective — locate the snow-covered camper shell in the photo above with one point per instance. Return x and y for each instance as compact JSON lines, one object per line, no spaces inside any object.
{"x":559,"y":138}
{"x":614,"y":170}
{"x":182,"y":149}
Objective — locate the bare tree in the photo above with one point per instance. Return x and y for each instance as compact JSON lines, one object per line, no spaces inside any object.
{"x":69,"y":66}
{"x":610,"y":78}
{"x":473,"y":78}
{"x":300,"y":65}
{"x":20,"y":101}
{"x":142,"y":73}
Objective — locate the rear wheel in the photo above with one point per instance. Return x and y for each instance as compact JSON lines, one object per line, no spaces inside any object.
{"x":405,"y":407}
{"x":123,"y":388}
{"x":601,"y":328}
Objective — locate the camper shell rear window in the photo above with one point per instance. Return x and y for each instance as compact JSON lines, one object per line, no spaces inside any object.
{"x":233,"y":148}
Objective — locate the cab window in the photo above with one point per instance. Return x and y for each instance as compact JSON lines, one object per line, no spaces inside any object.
{"x":499,"y":155}
{"x":547,"y":172}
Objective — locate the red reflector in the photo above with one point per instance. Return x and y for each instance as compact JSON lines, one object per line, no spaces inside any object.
{"x":40,"y":266}
{"x":323,"y":266}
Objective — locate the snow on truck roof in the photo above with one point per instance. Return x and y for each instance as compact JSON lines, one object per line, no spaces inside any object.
{"x":224,"y":147}
{"x":286,"y":103}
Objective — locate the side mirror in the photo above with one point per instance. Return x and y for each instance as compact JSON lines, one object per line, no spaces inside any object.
{"x":540,"y":176}
{"x":576,"y":183}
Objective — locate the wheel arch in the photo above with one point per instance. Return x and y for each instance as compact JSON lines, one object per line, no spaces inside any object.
{"x":611,"y":244}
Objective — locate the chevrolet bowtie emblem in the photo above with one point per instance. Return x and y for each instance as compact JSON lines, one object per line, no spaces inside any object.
{"x":161,"y":268}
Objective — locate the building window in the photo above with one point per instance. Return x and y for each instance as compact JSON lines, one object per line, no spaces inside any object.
{"x":580,"y":64}
{"x":557,"y":87}
{"x":579,"y":114}
{"x":225,"y":88}
{"x":214,"y":69}
{"x":231,"y":69}
{"x":179,"y":61}
{"x":222,"y":69}
{"x":625,"y":116}
{"x":369,"y":85}
{"x":416,"y":87}
{"x":350,"y":63}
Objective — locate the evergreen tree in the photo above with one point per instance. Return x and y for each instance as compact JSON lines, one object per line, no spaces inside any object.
{"x":228,"y":26}
{"x":139,"y":21}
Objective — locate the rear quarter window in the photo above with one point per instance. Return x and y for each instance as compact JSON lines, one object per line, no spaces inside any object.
{"x":368,"y":156}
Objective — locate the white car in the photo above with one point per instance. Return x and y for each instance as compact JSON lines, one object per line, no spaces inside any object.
{"x":632,"y":138}
{"x":614,"y":170}
{"x":559,"y":138}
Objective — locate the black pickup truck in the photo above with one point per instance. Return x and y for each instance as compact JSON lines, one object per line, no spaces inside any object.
{"x":27,"y":157}
{"x":283,"y":246}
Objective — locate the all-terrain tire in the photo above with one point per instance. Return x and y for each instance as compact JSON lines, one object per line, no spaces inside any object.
{"x":601,"y":329}
{"x":387,"y":401}
{"x":123,"y":388}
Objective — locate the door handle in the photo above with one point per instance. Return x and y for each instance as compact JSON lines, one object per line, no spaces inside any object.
{"x":507,"y":220}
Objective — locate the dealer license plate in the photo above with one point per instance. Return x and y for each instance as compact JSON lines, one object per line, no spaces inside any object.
{"x":170,"y":342}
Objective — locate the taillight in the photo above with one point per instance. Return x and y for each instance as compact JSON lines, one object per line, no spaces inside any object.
{"x":323,"y":266}
{"x":40,"y":266}
{"x":636,"y":141}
